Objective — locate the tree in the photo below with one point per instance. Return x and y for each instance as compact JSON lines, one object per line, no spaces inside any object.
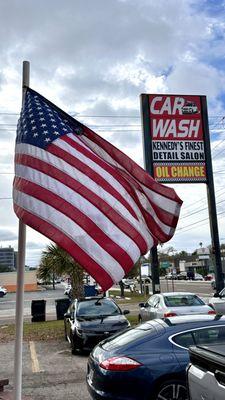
{"x":56,"y":261}
{"x":5,"y":268}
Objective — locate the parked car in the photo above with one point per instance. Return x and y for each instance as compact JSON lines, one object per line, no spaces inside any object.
{"x":198,"y":277}
{"x":3,"y":291}
{"x":145,"y":279}
{"x":172,"y":304}
{"x":171,"y":275}
{"x":206,"y":372}
{"x":209,"y":277}
{"x":182,"y":276}
{"x":150,"y":360}
{"x":128,"y":282}
{"x":67,"y":290}
{"x":218,"y":302}
{"x":89,"y":320}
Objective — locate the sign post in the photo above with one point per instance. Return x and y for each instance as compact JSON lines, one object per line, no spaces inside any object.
{"x":177,"y":150}
{"x":149,"y":168}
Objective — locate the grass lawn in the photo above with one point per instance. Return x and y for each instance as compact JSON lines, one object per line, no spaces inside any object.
{"x":134,"y":298}
{"x":48,"y":330}
{"x":37,"y":331}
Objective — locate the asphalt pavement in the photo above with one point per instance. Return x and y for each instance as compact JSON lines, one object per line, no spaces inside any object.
{"x":50,"y":371}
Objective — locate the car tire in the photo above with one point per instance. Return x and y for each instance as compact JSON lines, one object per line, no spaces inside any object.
{"x":172,"y":390}
{"x":1,"y":294}
{"x":139,"y":319}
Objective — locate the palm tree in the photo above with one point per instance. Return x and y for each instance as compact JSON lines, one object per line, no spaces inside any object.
{"x":56,"y":261}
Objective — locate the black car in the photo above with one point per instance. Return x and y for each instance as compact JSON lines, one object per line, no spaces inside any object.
{"x":92,"y":319}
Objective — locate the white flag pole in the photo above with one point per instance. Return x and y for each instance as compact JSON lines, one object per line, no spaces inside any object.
{"x":20,"y":280}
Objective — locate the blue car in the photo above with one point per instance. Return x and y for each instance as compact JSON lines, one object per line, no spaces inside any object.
{"x":148,"y":362}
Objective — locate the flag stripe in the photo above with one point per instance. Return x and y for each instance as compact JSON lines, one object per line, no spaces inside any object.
{"x":107,"y":151}
{"x":70,"y":158}
{"x":130,"y":228}
{"x":158,"y":201}
{"x":72,"y":230}
{"x":53,"y":233}
{"x":159,"y":214}
{"x":85,"y":194}
{"x":110,"y":237}
{"x":159,"y":229}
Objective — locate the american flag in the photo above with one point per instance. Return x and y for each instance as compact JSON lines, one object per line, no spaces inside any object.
{"x":84,"y":194}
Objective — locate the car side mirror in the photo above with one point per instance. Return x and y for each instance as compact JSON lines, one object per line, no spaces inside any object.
{"x":126,"y":312}
{"x":141,"y":305}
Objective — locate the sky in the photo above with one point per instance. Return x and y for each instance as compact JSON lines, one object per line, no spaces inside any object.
{"x":93,"y":58}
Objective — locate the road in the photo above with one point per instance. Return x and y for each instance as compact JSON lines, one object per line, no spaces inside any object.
{"x":8,"y":303}
{"x":201,"y":288}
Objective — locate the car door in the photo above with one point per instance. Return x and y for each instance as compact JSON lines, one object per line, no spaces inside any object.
{"x":181,"y":342}
{"x":219,"y":303}
{"x":146,"y":311}
{"x":156,"y":309}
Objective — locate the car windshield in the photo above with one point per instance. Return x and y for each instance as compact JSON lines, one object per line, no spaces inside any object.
{"x":183,"y":300}
{"x":97,"y":308}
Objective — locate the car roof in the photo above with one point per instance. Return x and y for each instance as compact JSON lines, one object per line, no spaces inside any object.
{"x":93,"y":298}
{"x":178,"y":294}
{"x":191,"y":319}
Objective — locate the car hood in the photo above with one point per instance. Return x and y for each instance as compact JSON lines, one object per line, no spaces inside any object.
{"x":204,"y":309}
{"x":105,"y":323}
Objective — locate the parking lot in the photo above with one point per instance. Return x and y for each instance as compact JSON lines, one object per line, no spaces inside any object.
{"x":49,"y":370}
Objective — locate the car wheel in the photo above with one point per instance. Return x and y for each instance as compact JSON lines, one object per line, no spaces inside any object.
{"x":139,"y":319}
{"x":172,"y":390}
{"x":1,"y":294}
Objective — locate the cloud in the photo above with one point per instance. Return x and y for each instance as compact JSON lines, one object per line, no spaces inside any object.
{"x":94,"y":58}
{"x":7,"y":235}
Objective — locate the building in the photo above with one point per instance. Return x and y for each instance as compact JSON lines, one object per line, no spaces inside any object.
{"x":9,"y":281}
{"x":7,"y":257}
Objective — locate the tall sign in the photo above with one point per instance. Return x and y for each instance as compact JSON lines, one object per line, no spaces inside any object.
{"x":177,"y":138}
{"x":177,"y":150}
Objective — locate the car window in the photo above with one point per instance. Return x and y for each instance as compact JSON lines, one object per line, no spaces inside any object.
{"x":184,"y":339}
{"x":210,"y":335}
{"x":95,"y":308}
{"x":222,"y":293}
{"x":148,"y":330}
{"x":181,"y":301}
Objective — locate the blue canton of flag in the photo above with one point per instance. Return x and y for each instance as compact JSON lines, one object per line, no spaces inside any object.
{"x":40,"y":124}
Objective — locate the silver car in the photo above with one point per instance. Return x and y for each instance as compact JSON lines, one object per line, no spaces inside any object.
{"x":206,"y":372}
{"x":3,"y":291}
{"x":172,"y":304}
{"x":218,"y":302}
